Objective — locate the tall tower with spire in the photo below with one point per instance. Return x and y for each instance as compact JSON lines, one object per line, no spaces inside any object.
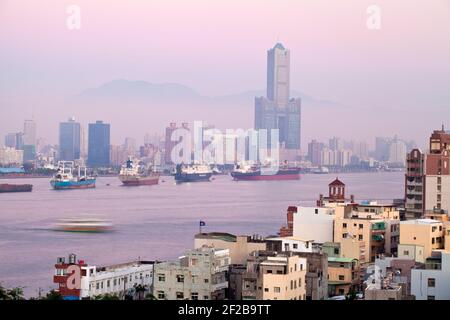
{"x":277,"y":110}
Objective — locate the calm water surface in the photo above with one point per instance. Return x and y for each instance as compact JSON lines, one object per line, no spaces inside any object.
{"x":152,"y":222}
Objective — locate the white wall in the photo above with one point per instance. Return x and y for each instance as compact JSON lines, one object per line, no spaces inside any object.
{"x":314,"y":226}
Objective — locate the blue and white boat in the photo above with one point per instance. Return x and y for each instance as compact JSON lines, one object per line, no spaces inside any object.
{"x":192,"y":173}
{"x":65,"y":180}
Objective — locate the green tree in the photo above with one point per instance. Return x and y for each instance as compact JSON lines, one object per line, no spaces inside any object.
{"x":106,"y":296}
{"x":53,"y":295}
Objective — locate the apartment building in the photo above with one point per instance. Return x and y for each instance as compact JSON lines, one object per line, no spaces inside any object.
{"x":282,"y":277}
{"x":433,"y":281}
{"x":343,"y":275}
{"x":239,"y":246}
{"x":199,"y":275}
{"x":418,"y":238}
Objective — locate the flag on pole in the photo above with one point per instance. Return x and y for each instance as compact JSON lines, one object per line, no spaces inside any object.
{"x":202,"y":223}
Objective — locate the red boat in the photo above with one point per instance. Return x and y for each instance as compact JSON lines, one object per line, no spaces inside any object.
{"x":16,"y":188}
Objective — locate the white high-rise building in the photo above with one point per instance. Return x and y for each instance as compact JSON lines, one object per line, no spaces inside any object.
{"x":397,"y":152}
{"x":29,"y":133}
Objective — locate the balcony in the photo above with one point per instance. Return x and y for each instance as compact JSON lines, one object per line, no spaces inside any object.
{"x":219,"y":286}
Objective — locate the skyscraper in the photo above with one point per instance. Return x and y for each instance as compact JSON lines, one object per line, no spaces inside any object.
{"x":277,"y":110}
{"x":99,"y":144}
{"x":69,"y":140}
{"x":29,"y":133}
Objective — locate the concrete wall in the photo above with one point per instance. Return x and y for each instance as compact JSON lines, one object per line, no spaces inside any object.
{"x":314,"y":224}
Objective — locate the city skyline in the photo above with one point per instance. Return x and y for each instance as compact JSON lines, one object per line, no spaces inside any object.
{"x":361,"y":74}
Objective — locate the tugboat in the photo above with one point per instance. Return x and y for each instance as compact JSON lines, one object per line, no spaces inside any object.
{"x":132,"y":175}
{"x":15,"y":188}
{"x":258,"y":172}
{"x":192,"y":173}
{"x":65,"y":180}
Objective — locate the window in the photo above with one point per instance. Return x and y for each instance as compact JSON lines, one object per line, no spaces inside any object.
{"x":433,"y":240}
{"x":336,"y":250}
{"x":194,"y":296}
{"x":360,"y":237}
{"x":295,"y":246}
{"x":266,"y":289}
{"x":299,"y":282}
{"x":180,"y":295}
{"x":115,"y":282}
{"x":205,"y":297}
{"x":344,"y":225}
{"x":292,"y":284}
{"x":161,"y":277}
{"x":279,"y":272}
{"x":295,"y":267}
{"x":206,"y":280}
{"x":341,"y":277}
{"x":161,"y":295}
{"x":361,"y":226}
{"x":108,"y":283}
{"x":194,"y":262}
{"x":316,"y":211}
{"x":269,"y":271}
{"x":301,"y":266}
{"x":341,"y":291}
{"x":180,"y":278}
{"x":276,"y":289}
{"x":431,"y":282}
{"x":97,"y":285}
{"x":406,"y":253}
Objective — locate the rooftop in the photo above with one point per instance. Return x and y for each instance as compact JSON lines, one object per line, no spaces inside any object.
{"x":421,"y":221}
{"x":333,"y":259}
{"x":337,"y":182}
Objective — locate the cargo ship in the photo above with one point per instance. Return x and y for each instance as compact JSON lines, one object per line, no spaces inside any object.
{"x":257,"y":172}
{"x":65,"y":180}
{"x":15,"y":188}
{"x":83,"y":225}
{"x":192,"y":173}
{"x":132,"y":175}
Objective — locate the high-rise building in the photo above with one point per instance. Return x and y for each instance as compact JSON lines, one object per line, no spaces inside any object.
{"x":397,"y":152}
{"x":29,"y":133}
{"x":314,"y":152}
{"x":69,"y":140}
{"x":11,"y":140}
{"x":99,"y":144}
{"x":437,"y":179}
{"x":415,"y":184}
{"x":382,"y":148}
{"x":277,"y":110}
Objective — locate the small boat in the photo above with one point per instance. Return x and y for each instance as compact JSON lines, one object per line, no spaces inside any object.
{"x":65,"y":180}
{"x":15,"y":188}
{"x":84,"y":225}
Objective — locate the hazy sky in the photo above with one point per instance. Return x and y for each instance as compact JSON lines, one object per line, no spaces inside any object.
{"x":219,"y":47}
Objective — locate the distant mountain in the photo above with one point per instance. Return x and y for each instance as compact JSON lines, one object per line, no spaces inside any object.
{"x":127,"y":89}
{"x":139,"y":89}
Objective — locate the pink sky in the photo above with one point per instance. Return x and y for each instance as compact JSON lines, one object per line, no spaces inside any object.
{"x":219,"y":47}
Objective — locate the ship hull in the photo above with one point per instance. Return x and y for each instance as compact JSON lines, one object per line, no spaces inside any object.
{"x":4,"y":188}
{"x":194,"y":177}
{"x":70,"y":185}
{"x":139,"y":181}
{"x":257,"y":176}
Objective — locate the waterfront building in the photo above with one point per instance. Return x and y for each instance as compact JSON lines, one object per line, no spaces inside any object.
{"x":277,"y":110}
{"x":336,"y":195}
{"x":433,"y":281}
{"x":11,"y":140}
{"x":99,"y":144}
{"x":10,"y":157}
{"x":418,"y":238}
{"x":199,"y":275}
{"x":397,"y":152}
{"x":77,"y":280}
{"x":315,"y":152}
{"x":69,"y":140}
{"x":239,"y":246}
{"x":29,"y":133}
